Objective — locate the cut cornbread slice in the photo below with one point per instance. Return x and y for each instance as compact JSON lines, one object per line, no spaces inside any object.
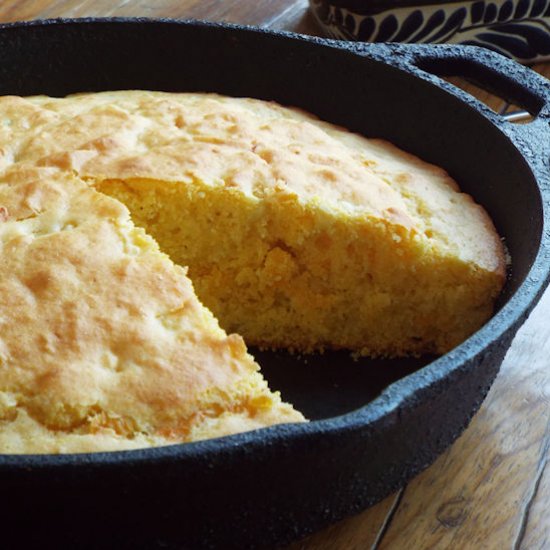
{"x":297,"y":233}
{"x":103,"y":343}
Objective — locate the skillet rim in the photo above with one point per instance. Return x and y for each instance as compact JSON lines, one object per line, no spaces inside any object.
{"x":394,"y":397}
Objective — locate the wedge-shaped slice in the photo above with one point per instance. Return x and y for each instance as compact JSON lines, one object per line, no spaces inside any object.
{"x":296,"y":233}
{"x":103,"y":343}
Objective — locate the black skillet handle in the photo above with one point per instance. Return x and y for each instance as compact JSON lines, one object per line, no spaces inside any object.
{"x":491,"y":71}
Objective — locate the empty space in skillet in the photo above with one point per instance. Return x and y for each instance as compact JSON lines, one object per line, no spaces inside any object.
{"x":361,"y":94}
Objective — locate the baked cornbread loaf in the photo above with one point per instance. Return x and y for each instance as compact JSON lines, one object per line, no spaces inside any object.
{"x":294,"y":232}
{"x":103,"y":343}
{"x":297,"y":234}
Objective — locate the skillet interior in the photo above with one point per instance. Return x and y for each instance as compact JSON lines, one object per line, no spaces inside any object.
{"x":337,"y":87}
{"x":364,"y":95}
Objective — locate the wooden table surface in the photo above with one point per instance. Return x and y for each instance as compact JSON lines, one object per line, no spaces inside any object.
{"x":491,"y":489}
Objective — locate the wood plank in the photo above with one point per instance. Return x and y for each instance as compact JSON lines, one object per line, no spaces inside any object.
{"x":357,"y":533}
{"x":250,"y":13}
{"x":482,"y":489}
{"x":292,"y":15}
{"x":536,"y":527}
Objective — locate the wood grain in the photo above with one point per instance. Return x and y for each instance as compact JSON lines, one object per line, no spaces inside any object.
{"x":492,"y":488}
{"x":536,"y":531}
{"x":357,"y":533}
{"x":276,"y":13}
{"x":482,"y":490}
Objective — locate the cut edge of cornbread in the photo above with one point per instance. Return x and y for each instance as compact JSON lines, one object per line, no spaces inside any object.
{"x":288,"y":273}
{"x":105,"y":345}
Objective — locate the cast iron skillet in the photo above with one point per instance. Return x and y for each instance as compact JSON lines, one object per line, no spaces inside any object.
{"x":375,"y":423}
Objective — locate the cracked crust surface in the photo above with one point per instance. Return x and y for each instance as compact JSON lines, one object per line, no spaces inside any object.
{"x":306,"y":236}
{"x":256,"y":147}
{"x":103,"y":343}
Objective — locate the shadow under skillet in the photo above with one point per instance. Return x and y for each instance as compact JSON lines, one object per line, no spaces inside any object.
{"x":333,"y":383}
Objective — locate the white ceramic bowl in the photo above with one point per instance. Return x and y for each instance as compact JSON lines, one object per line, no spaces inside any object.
{"x":519,"y":29}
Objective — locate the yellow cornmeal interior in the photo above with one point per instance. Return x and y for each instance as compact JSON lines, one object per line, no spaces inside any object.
{"x":294,"y":232}
{"x":285,"y":274}
{"x":103,"y":344}
{"x":297,"y":233}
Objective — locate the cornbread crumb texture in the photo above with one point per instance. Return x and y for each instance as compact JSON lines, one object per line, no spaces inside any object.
{"x":296,"y":233}
{"x":103,"y":343}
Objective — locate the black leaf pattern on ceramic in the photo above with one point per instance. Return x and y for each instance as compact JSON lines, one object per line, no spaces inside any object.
{"x":350,"y":23}
{"x":411,"y":24}
{"x":510,"y":44}
{"x":387,"y":29}
{"x":522,"y":8}
{"x":454,"y":22}
{"x":536,"y":37}
{"x":505,"y":10}
{"x":538,"y":7}
{"x":435,"y":21}
{"x":476,"y":11}
{"x":366,"y":29}
{"x":490,"y":13}
{"x":518,"y":28}
{"x":525,"y":42}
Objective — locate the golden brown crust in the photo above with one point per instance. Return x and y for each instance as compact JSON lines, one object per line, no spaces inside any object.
{"x":256,"y":147}
{"x":104,"y":344}
{"x":103,"y":334}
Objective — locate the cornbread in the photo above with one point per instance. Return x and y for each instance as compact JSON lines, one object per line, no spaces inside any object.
{"x":103,"y":343}
{"x":295,"y":233}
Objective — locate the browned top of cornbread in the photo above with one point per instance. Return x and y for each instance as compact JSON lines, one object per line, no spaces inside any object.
{"x":260,"y":149}
{"x":103,"y":343}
